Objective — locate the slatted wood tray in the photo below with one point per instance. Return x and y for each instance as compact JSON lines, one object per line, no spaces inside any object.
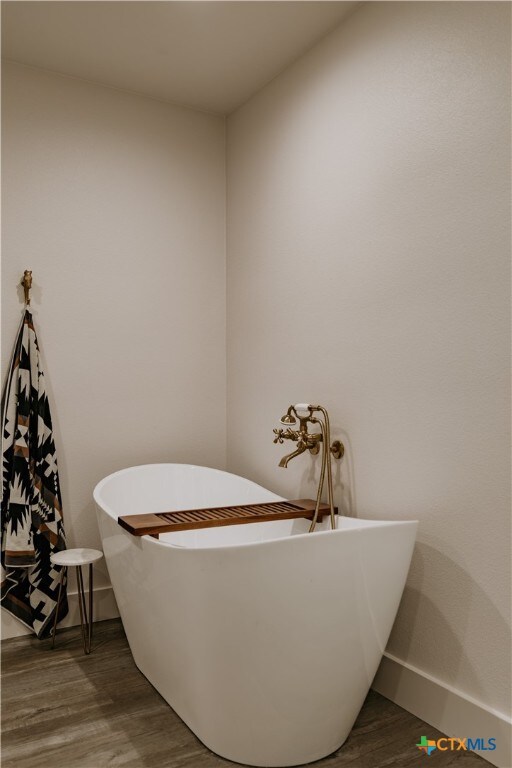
{"x":212,"y":517}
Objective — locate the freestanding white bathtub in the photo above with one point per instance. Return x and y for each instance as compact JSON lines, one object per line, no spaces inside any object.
{"x":262,"y":637}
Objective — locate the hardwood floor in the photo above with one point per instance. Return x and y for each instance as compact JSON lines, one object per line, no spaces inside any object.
{"x":61,"y":709}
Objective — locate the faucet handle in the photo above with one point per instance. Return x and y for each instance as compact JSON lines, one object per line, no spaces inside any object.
{"x":278,"y":435}
{"x":286,"y":434}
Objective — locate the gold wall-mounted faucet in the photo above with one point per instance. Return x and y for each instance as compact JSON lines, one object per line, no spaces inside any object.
{"x":306,"y":441}
{"x":311,"y":441}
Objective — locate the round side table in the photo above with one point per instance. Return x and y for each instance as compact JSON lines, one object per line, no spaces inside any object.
{"x":76,"y":558}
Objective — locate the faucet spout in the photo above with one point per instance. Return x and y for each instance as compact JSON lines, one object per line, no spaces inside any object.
{"x":301,"y":447}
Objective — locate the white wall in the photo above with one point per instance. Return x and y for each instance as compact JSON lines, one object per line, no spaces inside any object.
{"x":368,"y":270}
{"x":116,"y":202}
{"x":368,"y":247}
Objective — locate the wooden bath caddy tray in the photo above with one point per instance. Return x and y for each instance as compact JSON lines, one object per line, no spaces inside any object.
{"x":189,"y":519}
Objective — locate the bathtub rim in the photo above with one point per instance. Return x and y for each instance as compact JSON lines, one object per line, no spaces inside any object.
{"x":99,"y":485}
{"x":282,"y":540}
{"x":366,"y":523}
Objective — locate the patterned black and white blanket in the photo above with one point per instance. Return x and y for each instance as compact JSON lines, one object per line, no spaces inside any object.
{"x":31,"y":508}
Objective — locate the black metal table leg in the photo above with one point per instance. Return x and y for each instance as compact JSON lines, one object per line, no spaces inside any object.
{"x":62,"y":575}
{"x":90,"y":606}
{"x":83,"y":611}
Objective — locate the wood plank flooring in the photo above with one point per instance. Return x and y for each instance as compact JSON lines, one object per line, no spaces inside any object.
{"x":61,"y":709}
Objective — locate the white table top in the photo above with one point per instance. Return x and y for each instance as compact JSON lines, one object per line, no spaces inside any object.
{"x":76,"y":556}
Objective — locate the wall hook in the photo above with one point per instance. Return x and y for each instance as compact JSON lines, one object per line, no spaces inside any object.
{"x":26,"y":282}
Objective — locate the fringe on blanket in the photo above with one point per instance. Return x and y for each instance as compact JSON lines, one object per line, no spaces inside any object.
{"x":31,"y":506}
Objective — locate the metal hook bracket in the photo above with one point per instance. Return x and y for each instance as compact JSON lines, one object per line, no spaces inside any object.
{"x":26,"y":282}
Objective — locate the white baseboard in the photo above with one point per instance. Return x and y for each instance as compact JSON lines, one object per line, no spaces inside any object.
{"x":444,"y":707}
{"x":104,"y":606}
